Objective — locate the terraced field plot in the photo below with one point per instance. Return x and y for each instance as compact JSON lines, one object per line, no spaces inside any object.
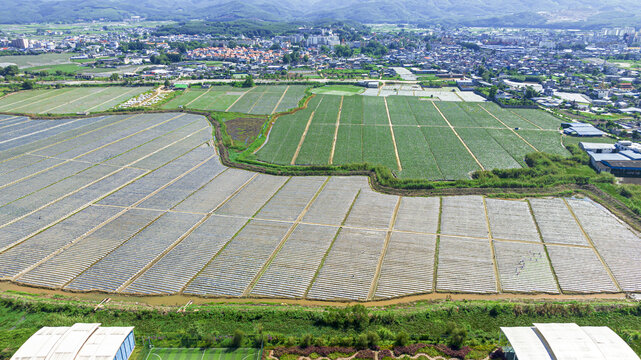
{"x":434,"y":140}
{"x":140,"y":204}
{"x":267,"y":99}
{"x":68,"y":100}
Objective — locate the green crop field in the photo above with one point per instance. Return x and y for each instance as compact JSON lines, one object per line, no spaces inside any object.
{"x":267,"y":99}
{"x":202,"y":354}
{"x":433,"y":140}
{"x":26,"y":61}
{"x":68,"y":100}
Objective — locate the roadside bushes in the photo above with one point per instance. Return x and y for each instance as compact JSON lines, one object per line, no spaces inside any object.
{"x":356,"y":317}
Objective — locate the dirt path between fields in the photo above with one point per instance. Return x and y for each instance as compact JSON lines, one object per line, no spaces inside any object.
{"x":338,"y":122}
{"x":240,"y":97}
{"x":509,"y":128}
{"x":302,"y":138}
{"x":458,"y":136}
{"x":525,"y":119}
{"x":198,"y":97}
{"x":391,"y":129}
{"x":280,"y":100}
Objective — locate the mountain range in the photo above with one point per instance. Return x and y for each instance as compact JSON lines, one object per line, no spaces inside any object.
{"x":519,"y":13}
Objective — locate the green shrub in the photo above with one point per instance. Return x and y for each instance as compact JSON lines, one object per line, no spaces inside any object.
{"x":237,"y":339}
{"x":402,"y":339}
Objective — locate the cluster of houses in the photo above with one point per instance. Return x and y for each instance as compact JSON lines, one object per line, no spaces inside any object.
{"x":237,"y":54}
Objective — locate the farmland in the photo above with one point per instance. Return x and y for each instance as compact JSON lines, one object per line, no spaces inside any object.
{"x":141,"y":205}
{"x":26,"y":61}
{"x":68,"y":100}
{"x":434,"y":140}
{"x":258,"y":100}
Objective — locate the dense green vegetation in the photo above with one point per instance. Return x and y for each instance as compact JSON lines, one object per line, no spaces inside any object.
{"x":427,"y":147}
{"x":288,"y":325}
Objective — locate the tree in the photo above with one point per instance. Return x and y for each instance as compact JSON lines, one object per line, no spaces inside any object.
{"x":249,"y":82}
{"x":27,"y":85}
{"x":492,"y":93}
{"x":167,"y":83}
{"x":114,"y":77}
{"x":374,"y":48}
{"x":11,"y":70}
{"x":530,"y":92}
{"x":343,"y":51}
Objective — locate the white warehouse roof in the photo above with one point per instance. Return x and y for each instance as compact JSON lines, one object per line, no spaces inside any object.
{"x":567,"y":342}
{"x":80,"y":341}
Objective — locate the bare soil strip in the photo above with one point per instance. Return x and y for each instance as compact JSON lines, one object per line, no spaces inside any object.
{"x":377,"y":273}
{"x":391,"y":129}
{"x":180,"y":300}
{"x":302,"y":138}
{"x":240,"y":97}
{"x":338,"y":121}
{"x":509,"y":128}
{"x":525,"y":119}
{"x":491,"y":239}
{"x":281,"y":99}
{"x":74,"y":100}
{"x":605,"y":266}
{"x":113,"y":98}
{"x":458,"y":136}
{"x":198,"y":97}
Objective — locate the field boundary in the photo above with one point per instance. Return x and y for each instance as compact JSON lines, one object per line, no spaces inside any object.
{"x":280,"y":100}
{"x":240,"y":97}
{"x":74,"y":100}
{"x":388,"y":236}
{"x":376,"y":174}
{"x":338,"y":122}
{"x":391,"y":129}
{"x":302,"y":138}
{"x":585,"y":234}
{"x":509,"y":128}
{"x":522,"y":117}
{"x":198,"y":97}
{"x":458,"y":136}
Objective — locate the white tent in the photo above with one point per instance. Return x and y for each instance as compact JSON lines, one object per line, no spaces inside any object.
{"x":555,"y":341}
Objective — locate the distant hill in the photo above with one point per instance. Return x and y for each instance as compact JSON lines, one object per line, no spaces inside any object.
{"x":540,"y":13}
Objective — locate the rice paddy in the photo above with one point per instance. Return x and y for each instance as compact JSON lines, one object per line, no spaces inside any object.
{"x":141,"y":205}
